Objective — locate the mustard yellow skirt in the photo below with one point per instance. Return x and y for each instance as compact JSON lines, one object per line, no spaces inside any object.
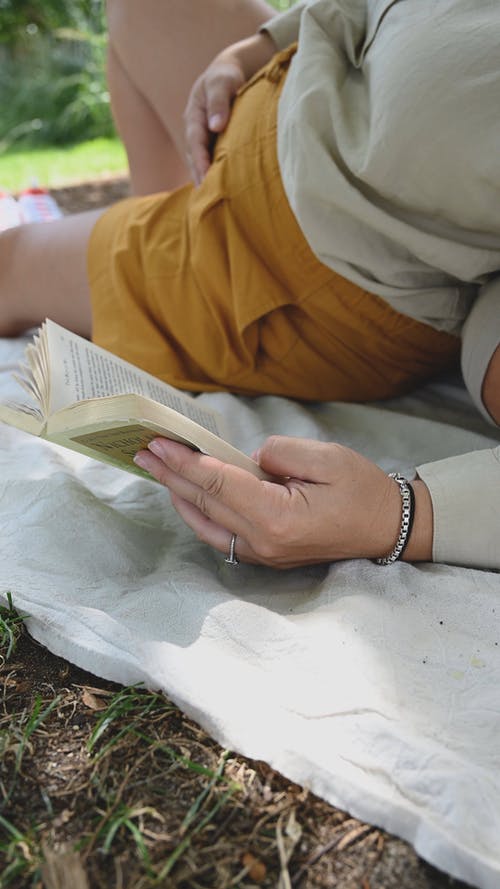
{"x":216,"y":287}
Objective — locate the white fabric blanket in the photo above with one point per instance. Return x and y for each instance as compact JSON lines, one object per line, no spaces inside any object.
{"x":378,"y":688}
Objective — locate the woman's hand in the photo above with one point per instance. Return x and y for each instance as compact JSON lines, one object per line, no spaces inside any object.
{"x":335,"y":504}
{"x":209,"y":104}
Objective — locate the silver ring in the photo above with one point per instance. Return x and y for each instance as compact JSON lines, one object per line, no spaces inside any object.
{"x":232,"y":558}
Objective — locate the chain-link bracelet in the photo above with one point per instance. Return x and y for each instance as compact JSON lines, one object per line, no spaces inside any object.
{"x":407,"y":514}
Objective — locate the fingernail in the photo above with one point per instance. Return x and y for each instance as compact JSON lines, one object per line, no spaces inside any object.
{"x":215,"y":121}
{"x":157,"y":447}
{"x":162,"y":447}
{"x":141,"y":460}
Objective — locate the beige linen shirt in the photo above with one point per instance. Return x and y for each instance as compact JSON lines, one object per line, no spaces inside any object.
{"x":389,"y":149}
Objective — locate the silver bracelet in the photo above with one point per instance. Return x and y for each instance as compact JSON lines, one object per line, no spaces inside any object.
{"x":407,"y":513}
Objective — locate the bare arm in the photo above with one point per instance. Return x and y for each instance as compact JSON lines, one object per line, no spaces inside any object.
{"x":333,"y":502}
{"x":491,"y":386}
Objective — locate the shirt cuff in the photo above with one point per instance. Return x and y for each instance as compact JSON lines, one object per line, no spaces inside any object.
{"x":465,"y":493}
{"x":284,"y":28}
{"x":480,"y":338}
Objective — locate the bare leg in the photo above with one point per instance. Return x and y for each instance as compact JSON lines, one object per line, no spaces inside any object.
{"x":157,"y":50}
{"x":43,"y":274}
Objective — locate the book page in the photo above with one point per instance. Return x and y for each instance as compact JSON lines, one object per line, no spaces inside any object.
{"x":80,"y":370}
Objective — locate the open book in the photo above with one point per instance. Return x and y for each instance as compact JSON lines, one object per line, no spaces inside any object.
{"x":86,"y":399}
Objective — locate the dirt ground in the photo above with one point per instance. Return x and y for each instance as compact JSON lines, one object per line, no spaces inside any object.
{"x":90,"y":195}
{"x":119,"y":790}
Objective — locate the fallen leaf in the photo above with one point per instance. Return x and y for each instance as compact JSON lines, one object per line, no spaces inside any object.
{"x":100,"y":692}
{"x":256,"y":869}
{"x":92,"y":701}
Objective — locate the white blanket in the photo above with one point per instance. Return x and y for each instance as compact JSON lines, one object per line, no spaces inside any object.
{"x":378,"y":688}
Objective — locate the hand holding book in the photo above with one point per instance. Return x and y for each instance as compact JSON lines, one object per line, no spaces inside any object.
{"x":333,"y":503}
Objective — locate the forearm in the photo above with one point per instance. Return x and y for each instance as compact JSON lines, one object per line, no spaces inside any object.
{"x":481,"y":351}
{"x":491,"y":386}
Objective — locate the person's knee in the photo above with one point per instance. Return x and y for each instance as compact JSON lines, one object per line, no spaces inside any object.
{"x":133,"y":26}
{"x":128,"y":17}
{"x":113,"y":8}
{"x":125,"y":18}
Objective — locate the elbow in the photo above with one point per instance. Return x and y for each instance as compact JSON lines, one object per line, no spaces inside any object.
{"x":490,"y":392}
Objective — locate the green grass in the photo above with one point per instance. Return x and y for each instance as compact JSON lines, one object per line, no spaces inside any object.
{"x":52,"y":167}
{"x":20,"y":853}
{"x":10,"y":628}
{"x":123,"y":738}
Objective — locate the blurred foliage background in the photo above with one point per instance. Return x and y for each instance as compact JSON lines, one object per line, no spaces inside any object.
{"x":52,"y":72}
{"x":54,"y":101}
